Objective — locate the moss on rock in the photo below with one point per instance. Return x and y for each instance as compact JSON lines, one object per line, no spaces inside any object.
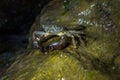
{"x":97,"y":60}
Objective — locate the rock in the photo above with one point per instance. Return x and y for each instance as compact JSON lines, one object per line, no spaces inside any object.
{"x":97,"y":60}
{"x":56,"y":66}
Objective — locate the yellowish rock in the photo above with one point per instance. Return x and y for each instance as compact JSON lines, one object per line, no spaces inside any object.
{"x":97,"y":60}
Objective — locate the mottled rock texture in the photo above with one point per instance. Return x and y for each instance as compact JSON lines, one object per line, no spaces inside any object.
{"x":97,"y":60}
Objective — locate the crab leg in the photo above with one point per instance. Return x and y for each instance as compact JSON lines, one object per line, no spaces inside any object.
{"x":81,"y":41}
{"x":73,"y":41}
{"x":71,"y":34}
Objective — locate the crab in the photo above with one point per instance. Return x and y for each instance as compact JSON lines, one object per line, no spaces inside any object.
{"x":75,"y":35}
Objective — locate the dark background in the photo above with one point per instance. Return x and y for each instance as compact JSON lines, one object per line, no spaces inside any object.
{"x":16,"y":18}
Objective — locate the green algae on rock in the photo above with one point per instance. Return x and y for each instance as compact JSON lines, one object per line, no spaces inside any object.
{"x":97,"y":60}
{"x":55,"y":66}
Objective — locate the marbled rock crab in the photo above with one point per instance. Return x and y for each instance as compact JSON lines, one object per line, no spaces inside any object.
{"x":65,"y":35}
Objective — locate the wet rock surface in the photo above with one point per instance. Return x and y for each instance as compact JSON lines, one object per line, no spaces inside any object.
{"x":97,"y":60}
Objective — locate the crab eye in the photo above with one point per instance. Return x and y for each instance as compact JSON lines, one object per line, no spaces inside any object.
{"x":39,"y":33}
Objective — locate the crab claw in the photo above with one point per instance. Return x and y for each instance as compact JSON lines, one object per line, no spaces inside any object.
{"x":55,"y":46}
{"x":38,"y":46}
{"x":37,"y":35}
{"x":58,"y":45}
